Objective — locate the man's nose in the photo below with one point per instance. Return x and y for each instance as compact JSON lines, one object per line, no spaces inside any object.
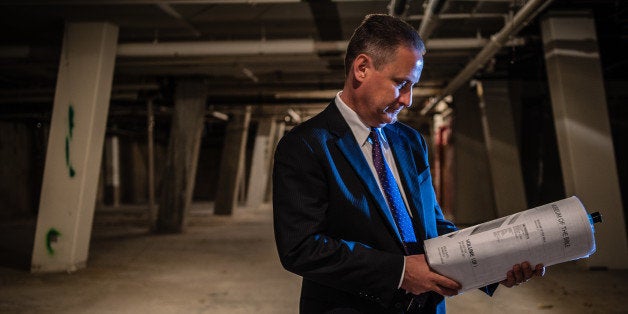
{"x":405,"y":99}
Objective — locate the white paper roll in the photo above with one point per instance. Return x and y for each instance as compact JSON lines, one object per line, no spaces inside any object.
{"x":483,"y":254}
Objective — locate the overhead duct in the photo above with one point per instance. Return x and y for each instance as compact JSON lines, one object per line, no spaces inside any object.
{"x":430,"y":18}
{"x":198,"y":48}
{"x":135,"y":2}
{"x":397,"y":7}
{"x":274,"y":47}
{"x":531,"y":9}
{"x":168,"y":9}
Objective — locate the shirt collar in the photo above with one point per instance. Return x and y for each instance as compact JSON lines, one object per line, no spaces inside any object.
{"x":359,"y":129}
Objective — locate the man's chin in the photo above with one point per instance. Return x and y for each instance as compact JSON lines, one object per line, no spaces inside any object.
{"x":386,"y":119}
{"x":391,"y":119}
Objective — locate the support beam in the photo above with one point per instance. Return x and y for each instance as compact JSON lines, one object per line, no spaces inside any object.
{"x":75,"y":144}
{"x":279,"y":132}
{"x":583,"y":129}
{"x":260,"y":163}
{"x":232,"y":162}
{"x":182,"y":157}
{"x":112,"y":174}
{"x":498,"y":126}
{"x":135,"y":175}
{"x":327,"y":19}
{"x":150,"y":146}
{"x":473,"y":193}
{"x":431,"y":18}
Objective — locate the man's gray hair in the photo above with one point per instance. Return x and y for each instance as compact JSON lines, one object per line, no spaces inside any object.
{"x":379,"y":36}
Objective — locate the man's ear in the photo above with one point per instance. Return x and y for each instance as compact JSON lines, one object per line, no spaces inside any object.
{"x":361,"y":67}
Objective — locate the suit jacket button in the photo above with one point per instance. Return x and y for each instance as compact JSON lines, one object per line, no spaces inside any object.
{"x":398,"y":305}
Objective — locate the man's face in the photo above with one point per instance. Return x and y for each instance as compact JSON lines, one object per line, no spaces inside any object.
{"x":389,"y":90}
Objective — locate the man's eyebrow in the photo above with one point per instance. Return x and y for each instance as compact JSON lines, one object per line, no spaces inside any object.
{"x":407,"y":80}
{"x":402,"y":79}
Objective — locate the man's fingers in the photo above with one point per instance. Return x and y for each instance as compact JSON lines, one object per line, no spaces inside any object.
{"x":510,"y":279}
{"x":518,"y":273}
{"x":521,"y":273}
{"x":527,"y":271}
{"x":446,"y":283}
{"x":445,"y":291}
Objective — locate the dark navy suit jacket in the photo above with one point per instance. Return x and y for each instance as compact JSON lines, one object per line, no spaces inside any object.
{"x":332,"y":223}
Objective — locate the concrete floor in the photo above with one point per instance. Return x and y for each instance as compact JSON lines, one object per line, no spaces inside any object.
{"x":229,"y":265}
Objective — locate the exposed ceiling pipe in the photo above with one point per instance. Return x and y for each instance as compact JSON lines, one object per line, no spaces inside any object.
{"x":163,"y":49}
{"x":459,"y":16}
{"x":135,"y":2}
{"x":14,"y":95}
{"x":271,"y":47}
{"x":530,"y":10}
{"x":168,"y":9}
{"x":251,"y":47}
{"x":127,"y":96}
{"x":397,"y":7}
{"x":430,"y":18}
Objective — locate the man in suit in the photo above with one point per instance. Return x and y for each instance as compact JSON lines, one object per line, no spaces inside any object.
{"x":352,"y":191}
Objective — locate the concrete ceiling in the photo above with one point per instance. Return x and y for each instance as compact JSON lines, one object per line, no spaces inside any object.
{"x":248,"y":51}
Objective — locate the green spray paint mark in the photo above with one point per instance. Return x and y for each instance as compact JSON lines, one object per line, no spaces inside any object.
{"x":51,"y":236}
{"x":71,"y":119}
{"x":68,"y":138}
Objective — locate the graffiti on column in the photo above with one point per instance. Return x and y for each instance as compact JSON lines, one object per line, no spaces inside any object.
{"x":68,"y":139}
{"x":51,"y":237}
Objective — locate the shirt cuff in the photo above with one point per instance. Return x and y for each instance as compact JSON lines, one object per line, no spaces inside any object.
{"x":403,"y":272}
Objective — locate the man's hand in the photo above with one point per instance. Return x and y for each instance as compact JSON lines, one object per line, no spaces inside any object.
{"x":418,"y":278}
{"x":521,"y":273}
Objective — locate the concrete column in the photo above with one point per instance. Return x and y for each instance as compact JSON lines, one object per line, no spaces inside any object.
{"x":279,"y":132}
{"x":16,"y":151}
{"x":501,"y":145}
{"x":182,"y":157}
{"x":473,"y":196}
{"x":136,"y":176}
{"x":73,"y":159}
{"x":232,"y":163}
{"x":583,"y":129}
{"x":260,"y":163}
{"x":112,"y":173}
{"x":150,"y":147}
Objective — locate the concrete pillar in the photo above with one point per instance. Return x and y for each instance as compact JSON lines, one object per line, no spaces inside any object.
{"x":182,"y":157}
{"x":279,"y":132}
{"x":112,"y":173}
{"x":16,"y":192}
{"x":260,"y":163}
{"x":501,"y":145}
{"x":75,"y":144}
{"x":232,"y":163}
{"x":136,"y":176}
{"x":473,"y":196}
{"x":583,"y":129}
{"x":150,"y":147}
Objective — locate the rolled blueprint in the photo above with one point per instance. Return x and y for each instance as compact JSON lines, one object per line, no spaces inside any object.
{"x":483,"y":254}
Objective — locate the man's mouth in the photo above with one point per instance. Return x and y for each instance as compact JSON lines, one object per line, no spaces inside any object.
{"x":390,"y":110}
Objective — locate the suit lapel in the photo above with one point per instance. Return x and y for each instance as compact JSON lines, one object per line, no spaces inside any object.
{"x":408,"y":173}
{"x":351,"y":150}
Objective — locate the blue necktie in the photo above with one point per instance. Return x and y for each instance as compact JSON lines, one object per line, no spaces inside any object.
{"x":393,"y":197}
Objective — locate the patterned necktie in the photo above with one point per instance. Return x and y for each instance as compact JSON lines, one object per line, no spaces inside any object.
{"x":393,"y":196}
